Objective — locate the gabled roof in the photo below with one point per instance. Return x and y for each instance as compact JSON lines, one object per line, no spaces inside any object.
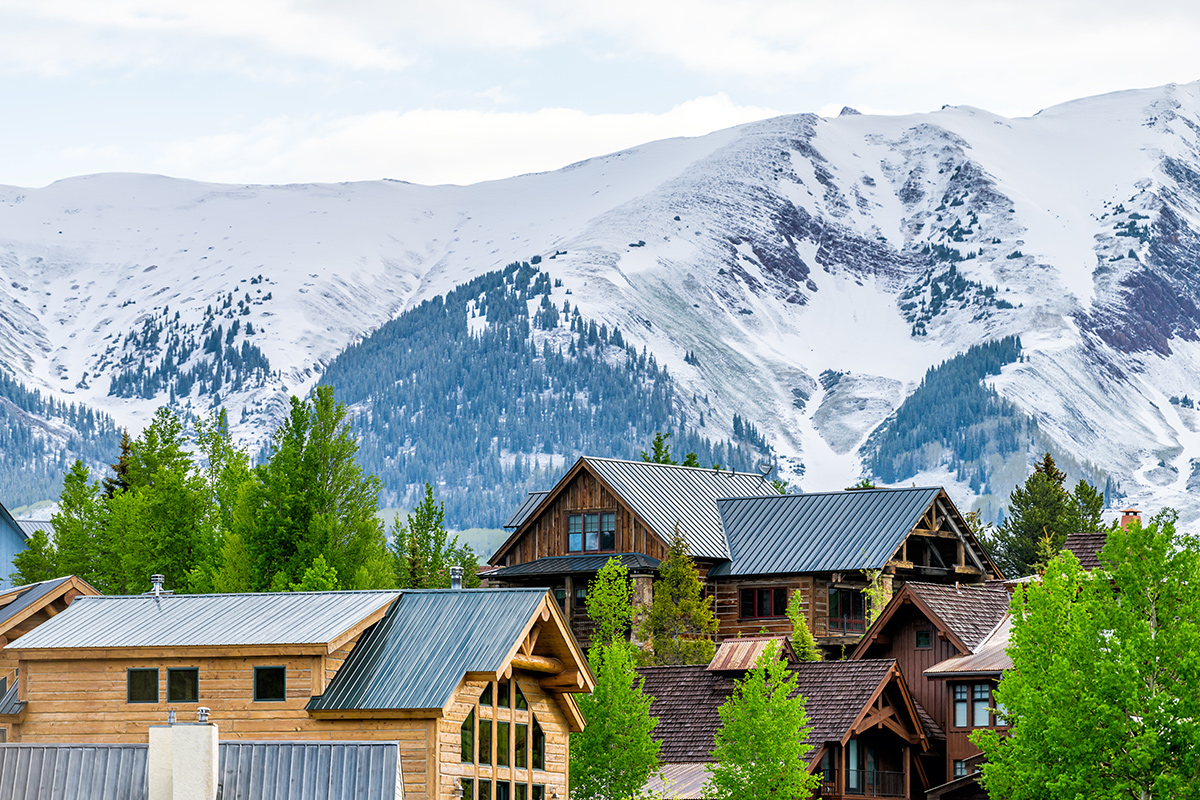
{"x":581,"y":564}
{"x":246,"y":771}
{"x":28,"y":527}
{"x":1086,"y":547}
{"x":417,"y":655}
{"x":207,"y":620}
{"x":687,"y":699}
{"x":990,"y":657}
{"x":819,"y":532}
{"x":20,"y":602}
{"x":530,"y":504}
{"x":662,"y":496}
{"x":965,"y":613}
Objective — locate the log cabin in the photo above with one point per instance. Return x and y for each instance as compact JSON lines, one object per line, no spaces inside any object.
{"x":867,"y":730}
{"x":752,"y":546}
{"x":476,"y":685}
{"x":927,"y":628}
{"x":21,"y":610}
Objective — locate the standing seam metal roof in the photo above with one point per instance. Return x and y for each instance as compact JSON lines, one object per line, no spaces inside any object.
{"x":198,"y":620}
{"x":532,"y":501}
{"x":664,"y":495}
{"x":819,"y":532}
{"x":560,"y":565}
{"x":73,"y":772}
{"x":28,"y":527}
{"x":415,"y":657}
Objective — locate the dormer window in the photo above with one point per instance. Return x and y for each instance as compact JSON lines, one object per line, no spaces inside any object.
{"x":591,"y":532}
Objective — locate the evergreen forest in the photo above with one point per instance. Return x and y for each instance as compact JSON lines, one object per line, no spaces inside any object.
{"x":481,"y":389}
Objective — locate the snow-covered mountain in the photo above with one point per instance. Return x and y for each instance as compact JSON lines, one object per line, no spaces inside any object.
{"x":864,"y":249}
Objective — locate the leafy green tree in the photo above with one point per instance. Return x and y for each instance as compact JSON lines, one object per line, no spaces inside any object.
{"x":36,"y":563}
{"x":311,"y":498}
{"x":320,"y":577}
{"x":234,"y":571}
{"x":616,"y":753}
{"x":681,"y":619}
{"x":660,"y":450}
{"x":424,"y":551}
{"x":1102,"y":695}
{"x":803,"y":642}
{"x":760,"y":749}
{"x":76,"y":525}
{"x":1039,"y":508}
{"x":610,"y":604}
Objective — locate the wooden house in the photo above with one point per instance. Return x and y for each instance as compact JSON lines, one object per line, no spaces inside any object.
{"x":475,"y":685}
{"x":926,"y":627}
{"x":867,"y":730}
{"x":21,"y":610}
{"x":752,"y":546}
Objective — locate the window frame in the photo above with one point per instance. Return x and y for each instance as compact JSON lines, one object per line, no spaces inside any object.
{"x":928,"y":634}
{"x":774,"y":593}
{"x":585,"y":524}
{"x":171,"y":671}
{"x":981,"y":701}
{"x":157,"y":687}
{"x":960,"y":699}
{"x":257,"y":668}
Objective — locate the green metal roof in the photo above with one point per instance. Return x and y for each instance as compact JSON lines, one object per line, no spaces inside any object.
{"x":416,"y":656}
{"x":818,"y":532}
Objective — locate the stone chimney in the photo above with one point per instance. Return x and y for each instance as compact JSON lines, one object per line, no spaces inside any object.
{"x":456,"y":573}
{"x":1130,"y":515}
{"x":183,"y":760}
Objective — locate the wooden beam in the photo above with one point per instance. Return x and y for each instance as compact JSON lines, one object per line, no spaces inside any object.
{"x":537,"y":663}
{"x":564,"y":682}
{"x":936,"y":534}
{"x":531,"y":640}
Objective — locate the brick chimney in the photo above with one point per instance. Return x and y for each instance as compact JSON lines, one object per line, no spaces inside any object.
{"x":1130,"y":515}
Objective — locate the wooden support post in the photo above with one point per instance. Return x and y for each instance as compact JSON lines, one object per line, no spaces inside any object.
{"x":569,"y":603}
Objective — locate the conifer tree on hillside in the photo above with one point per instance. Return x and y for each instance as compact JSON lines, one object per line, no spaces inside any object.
{"x":1040,"y":509}
{"x":680,"y":623}
{"x":424,"y":551}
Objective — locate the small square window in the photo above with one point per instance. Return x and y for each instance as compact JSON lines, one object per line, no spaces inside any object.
{"x":270,"y":683}
{"x":960,"y":769}
{"x":924,"y":639}
{"x":141,"y":685}
{"x":183,"y":685}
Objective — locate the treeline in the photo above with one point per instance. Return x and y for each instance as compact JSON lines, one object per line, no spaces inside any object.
{"x":475,"y":385}
{"x":304,"y":518}
{"x":39,"y":439}
{"x":953,"y":414}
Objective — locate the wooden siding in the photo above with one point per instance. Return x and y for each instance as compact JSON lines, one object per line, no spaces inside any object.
{"x":8,"y":658}
{"x":543,"y":706}
{"x":728,"y":605}
{"x":545,"y":535}
{"x":958,"y":745}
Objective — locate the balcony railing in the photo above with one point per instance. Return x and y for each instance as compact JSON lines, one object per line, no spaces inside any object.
{"x":828,"y":782}
{"x":875,"y":783}
{"x":845,"y":626}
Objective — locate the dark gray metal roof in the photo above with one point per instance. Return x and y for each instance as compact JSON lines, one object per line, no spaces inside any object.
{"x":246,"y":771}
{"x":181,"y":620}
{"x":564,"y":565}
{"x":73,"y":772}
{"x":526,"y":509}
{"x":665,"y":495}
{"x":28,"y":527}
{"x":27,"y":596}
{"x":819,"y":532}
{"x":415,"y":657}
{"x":9,"y":704}
{"x":309,"y":771}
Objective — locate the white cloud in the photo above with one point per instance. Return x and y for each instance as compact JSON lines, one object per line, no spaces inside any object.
{"x":423,"y":146}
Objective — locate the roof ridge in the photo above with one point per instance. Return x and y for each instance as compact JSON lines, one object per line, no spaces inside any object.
{"x":172,"y":593}
{"x":672,"y":466}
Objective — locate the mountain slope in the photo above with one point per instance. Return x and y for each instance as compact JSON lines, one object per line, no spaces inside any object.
{"x":769,"y":255}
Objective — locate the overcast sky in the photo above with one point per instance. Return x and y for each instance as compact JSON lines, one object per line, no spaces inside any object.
{"x":459,"y":91}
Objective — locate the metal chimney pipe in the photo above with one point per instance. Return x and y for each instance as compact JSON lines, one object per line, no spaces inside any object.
{"x":202,"y":714}
{"x":456,"y":573}
{"x":156,"y":583}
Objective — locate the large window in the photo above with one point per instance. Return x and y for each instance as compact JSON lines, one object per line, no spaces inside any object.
{"x":591,"y":532}
{"x":270,"y":684}
{"x":972,"y":705}
{"x":758,"y":603}
{"x":141,"y":685}
{"x":847,"y":612}
{"x":501,"y":732}
{"x":183,"y":685}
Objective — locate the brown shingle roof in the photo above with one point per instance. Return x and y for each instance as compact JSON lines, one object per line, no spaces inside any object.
{"x":686,"y":700}
{"x":1085,"y":546}
{"x":970,"y":612}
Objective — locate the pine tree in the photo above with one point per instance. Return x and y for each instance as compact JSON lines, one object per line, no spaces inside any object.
{"x":423,"y":551}
{"x":680,"y":620}
{"x":660,"y":452}
{"x":803,"y":643}
{"x":118,"y":482}
{"x":760,"y":749}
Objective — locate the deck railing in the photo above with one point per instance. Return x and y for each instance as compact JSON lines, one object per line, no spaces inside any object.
{"x":875,"y":783}
{"x":845,"y":626}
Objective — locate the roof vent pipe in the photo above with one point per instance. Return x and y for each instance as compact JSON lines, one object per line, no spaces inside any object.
{"x":156,"y":584}
{"x":456,"y":574}
{"x":202,"y":714}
